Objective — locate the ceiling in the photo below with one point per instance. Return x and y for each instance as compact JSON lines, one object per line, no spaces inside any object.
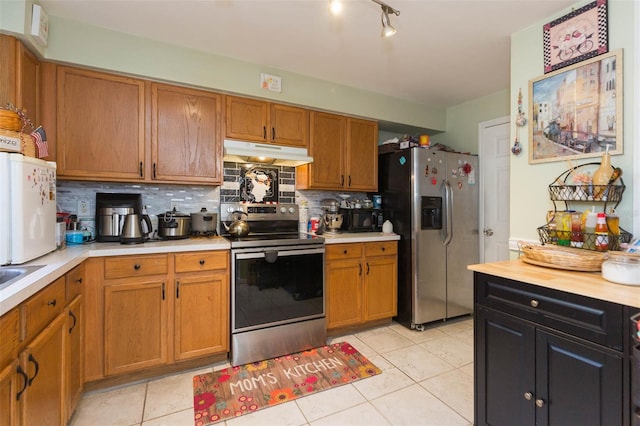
{"x":445,"y":52}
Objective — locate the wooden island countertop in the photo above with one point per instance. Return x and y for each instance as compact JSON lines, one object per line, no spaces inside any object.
{"x":590,"y":284}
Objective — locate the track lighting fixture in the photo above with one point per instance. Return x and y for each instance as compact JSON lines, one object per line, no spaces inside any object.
{"x":335,"y":6}
{"x":387,"y":29}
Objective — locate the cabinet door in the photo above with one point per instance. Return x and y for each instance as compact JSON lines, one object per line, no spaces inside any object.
{"x":201,"y":315}
{"x":380,"y":288}
{"x":289,"y":125}
{"x":100,"y":125}
{"x":10,"y":384}
{"x":74,"y":355}
{"x":28,"y":83}
{"x":185,"y":135}
{"x":343,"y":281}
{"x":504,"y":370}
{"x":362,"y":155}
{"x":9,"y":336}
{"x":327,"y":142}
{"x":19,"y":77}
{"x":246,"y":119}
{"x":135,"y":325}
{"x":577,"y":384}
{"x":43,"y":401}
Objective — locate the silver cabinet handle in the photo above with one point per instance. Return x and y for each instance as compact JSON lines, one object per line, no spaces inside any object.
{"x":488,"y":232}
{"x":540,"y":403}
{"x":534,"y":303}
{"x":528,"y":396}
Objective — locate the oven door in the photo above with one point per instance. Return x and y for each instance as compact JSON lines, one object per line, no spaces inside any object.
{"x":276,"y":285}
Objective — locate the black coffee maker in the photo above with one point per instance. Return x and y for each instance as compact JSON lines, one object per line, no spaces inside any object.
{"x":111,"y":210}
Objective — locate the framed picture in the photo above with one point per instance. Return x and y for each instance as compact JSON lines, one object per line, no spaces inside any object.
{"x":576,"y":36}
{"x":576,"y":112}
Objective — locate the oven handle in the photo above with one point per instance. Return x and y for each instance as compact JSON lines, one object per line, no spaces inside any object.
{"x":285,"y":252}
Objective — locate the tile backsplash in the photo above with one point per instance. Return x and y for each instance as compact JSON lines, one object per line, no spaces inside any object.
{"x":80,"y":197}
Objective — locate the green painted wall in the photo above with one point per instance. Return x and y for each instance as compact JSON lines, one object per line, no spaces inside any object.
{"x":462,"y":121}
{"x":529,"y":182}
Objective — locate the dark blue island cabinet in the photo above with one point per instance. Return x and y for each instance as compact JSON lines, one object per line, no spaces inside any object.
{"x":548,"y":357}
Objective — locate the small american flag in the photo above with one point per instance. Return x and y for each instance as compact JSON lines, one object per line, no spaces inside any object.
{"x":40,"y":138}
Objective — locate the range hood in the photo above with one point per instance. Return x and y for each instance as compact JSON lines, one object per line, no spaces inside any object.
{"x":253,"y":152}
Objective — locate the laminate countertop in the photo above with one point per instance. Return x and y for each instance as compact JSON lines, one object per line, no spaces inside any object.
{"x":59,"y":262}
{"x":590,"y":284}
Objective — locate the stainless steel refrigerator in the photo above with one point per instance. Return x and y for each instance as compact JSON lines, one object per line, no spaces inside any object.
{"x":431,"y":198}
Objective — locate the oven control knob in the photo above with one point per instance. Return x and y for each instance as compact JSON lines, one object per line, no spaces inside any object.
{"x":283,"y":210}
{"x":292,"y":210}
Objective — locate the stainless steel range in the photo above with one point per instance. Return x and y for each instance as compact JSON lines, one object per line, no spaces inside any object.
{"x":277,"y":283}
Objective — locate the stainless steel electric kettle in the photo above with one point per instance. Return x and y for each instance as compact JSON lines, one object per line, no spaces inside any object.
{"x":132,"y":232}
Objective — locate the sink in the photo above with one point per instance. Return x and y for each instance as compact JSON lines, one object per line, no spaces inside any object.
{"x":11,"y":274}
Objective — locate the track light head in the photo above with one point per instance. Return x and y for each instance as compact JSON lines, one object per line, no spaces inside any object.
{"x":387,"y":29}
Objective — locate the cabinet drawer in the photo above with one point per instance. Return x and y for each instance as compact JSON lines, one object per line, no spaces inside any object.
{"x":9,"y":336}
{"x":343,"y":251}
{"x":201,"y":261}
{"x":595,"y":320}
{"x":73,"y":282}
{"x":135,"y":266}
{"x":381,"y":248}
{"x":43,"y":307}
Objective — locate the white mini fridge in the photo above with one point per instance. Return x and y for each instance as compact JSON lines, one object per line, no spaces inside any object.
{"x":27,"y":208}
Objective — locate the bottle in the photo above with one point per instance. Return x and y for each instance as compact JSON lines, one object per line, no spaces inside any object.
{"x":589,"y":236}
{"x":602,"y":175}
{"x":602,"y":232}
{"x":613,"y":224}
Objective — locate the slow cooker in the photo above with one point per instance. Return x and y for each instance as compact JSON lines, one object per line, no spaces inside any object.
{"x":174,"y":225}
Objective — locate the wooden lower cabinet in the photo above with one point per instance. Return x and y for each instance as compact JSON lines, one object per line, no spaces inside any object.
{"x":361,"y":282}
{"x":74,"y":354}
{"x":156,"y":310}
{"x":10,"y":383}
{"x":42,"y":401}
{"x":135,"y":332}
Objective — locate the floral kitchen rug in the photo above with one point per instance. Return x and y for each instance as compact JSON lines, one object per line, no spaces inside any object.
{"x":235,"y":391}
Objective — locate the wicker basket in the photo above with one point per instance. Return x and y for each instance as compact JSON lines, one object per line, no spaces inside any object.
{"x":10,"y":120}
{"x":559,"y":257}
{"x":28,"y":147}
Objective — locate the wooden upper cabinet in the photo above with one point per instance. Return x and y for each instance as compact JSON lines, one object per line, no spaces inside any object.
{"x":19,"y":78}
{"x":246,"y":119}
{"x":289,"y":125}
{"x":28,"y":84}
{"x":185,"y":134}
{"x":259,"y":121}
{"x":327,"y":147}
{"x":100,"y":125}
{"x":362,"y":155}
{"x":345,"y":154}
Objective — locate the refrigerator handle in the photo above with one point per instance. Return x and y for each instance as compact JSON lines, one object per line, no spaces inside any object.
{"x":448,"y":195}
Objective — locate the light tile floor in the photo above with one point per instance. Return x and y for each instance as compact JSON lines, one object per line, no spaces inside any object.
{"x":427,"y":379}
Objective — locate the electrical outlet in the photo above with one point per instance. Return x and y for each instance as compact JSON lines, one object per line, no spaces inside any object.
{"x":84,"y":208}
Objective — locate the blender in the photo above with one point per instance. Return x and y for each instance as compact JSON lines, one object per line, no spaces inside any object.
{"x":331,"y":218}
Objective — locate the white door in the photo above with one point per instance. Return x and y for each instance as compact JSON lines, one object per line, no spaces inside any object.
{"x":494,"y":151}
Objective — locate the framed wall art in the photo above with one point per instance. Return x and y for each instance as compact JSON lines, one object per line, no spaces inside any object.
{"x":576,"y":112}
{"x":576,"y":36}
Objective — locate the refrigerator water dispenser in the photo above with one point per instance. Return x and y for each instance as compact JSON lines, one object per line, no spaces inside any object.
{"x":431,"y":211}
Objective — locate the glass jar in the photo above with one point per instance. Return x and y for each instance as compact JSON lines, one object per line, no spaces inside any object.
{"x":622,"y":268}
